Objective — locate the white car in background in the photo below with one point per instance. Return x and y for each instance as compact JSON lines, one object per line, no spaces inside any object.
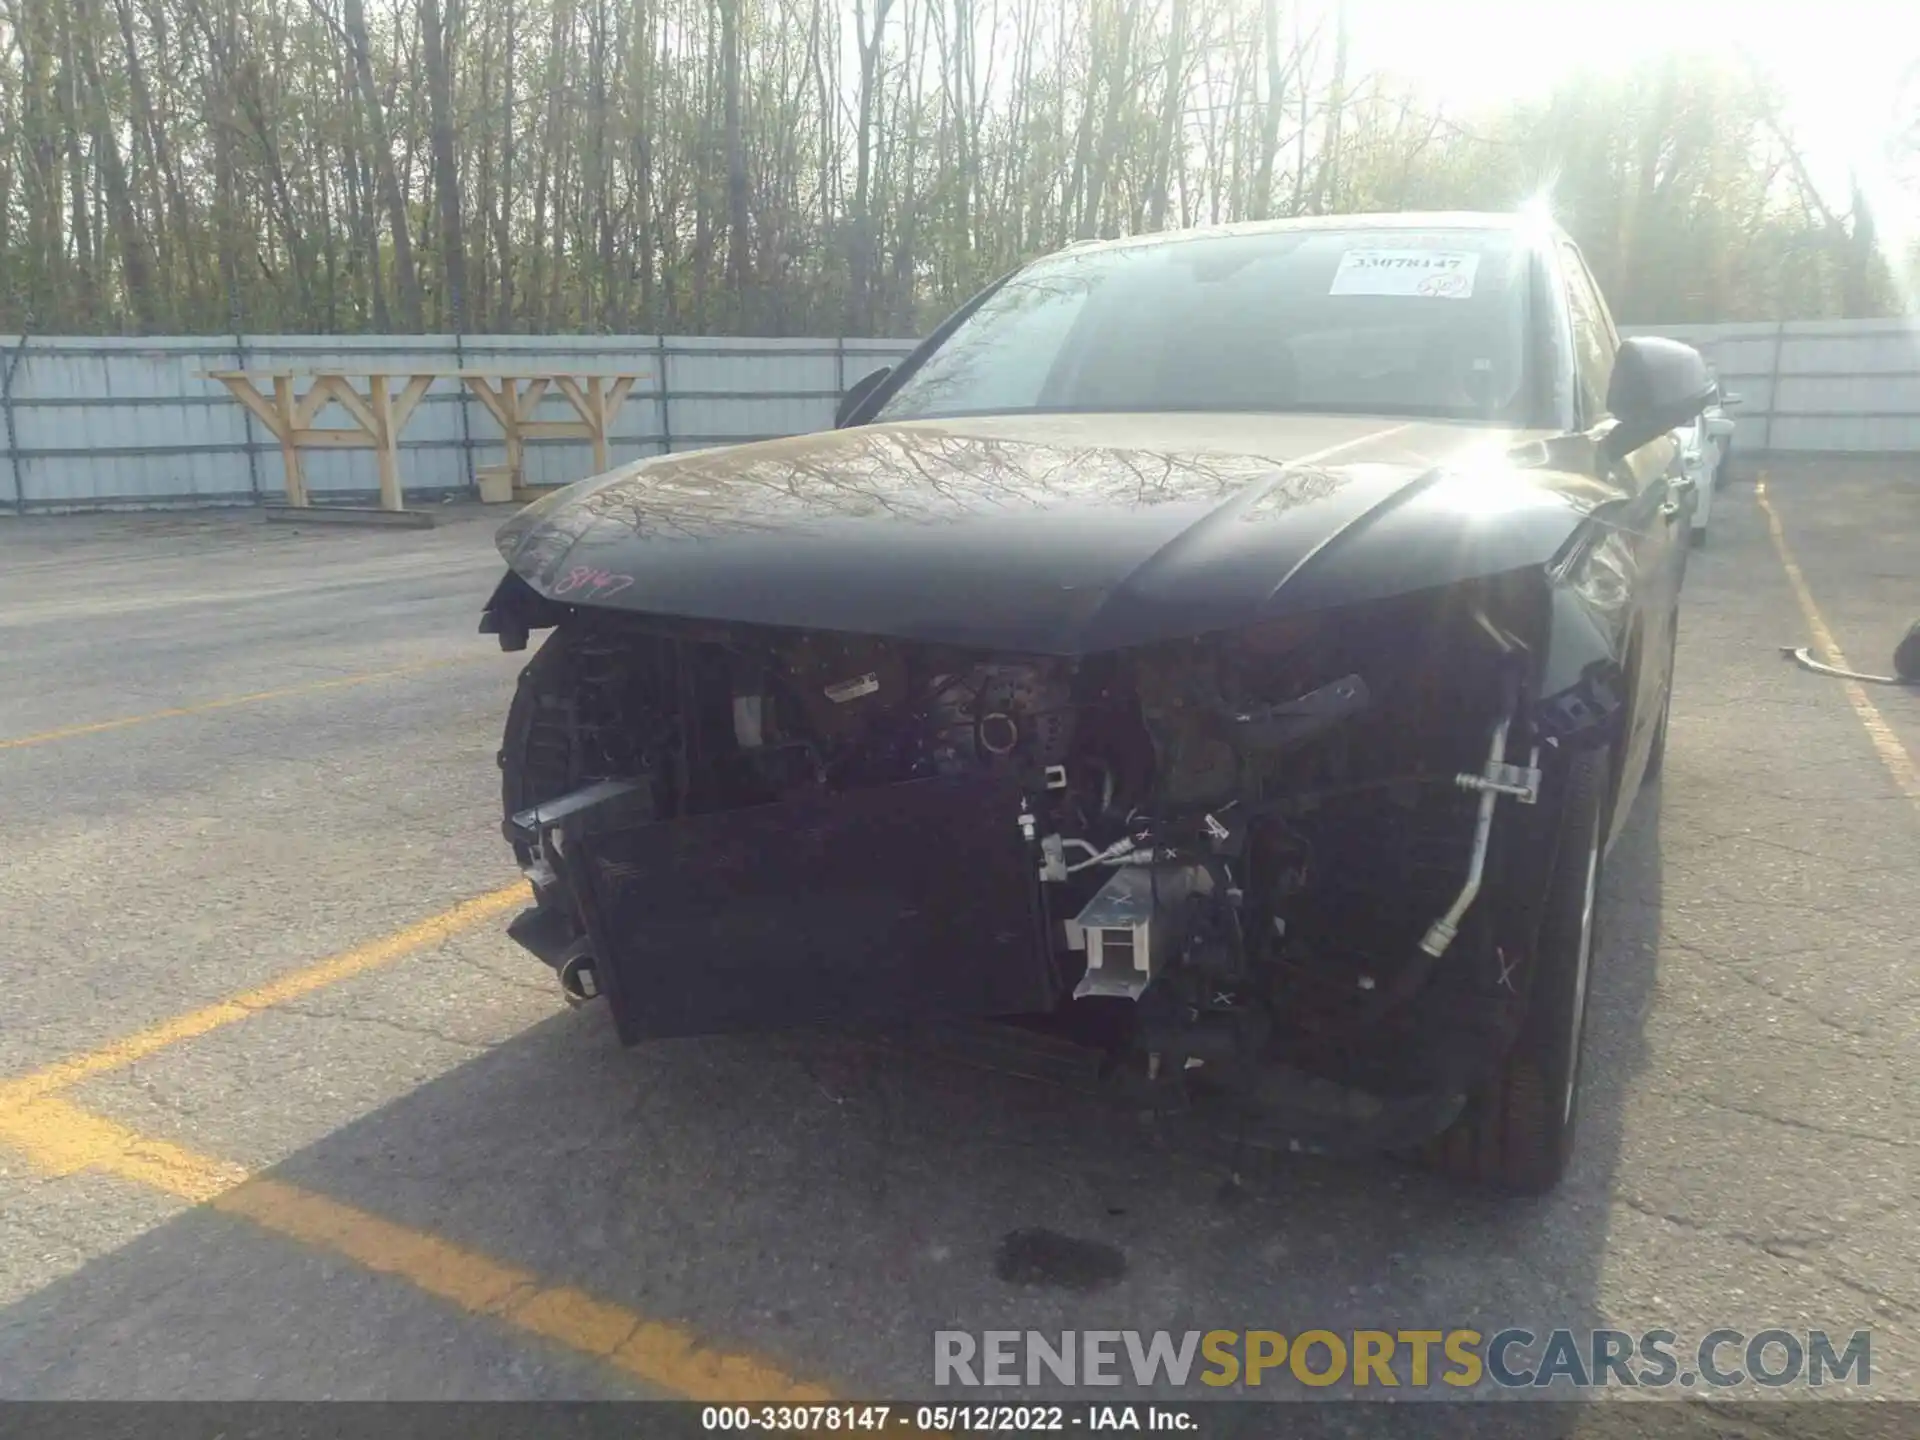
{"x":1704,"y":448}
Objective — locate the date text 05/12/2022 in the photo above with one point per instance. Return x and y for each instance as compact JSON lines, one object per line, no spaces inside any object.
{"x":875,"y":1419}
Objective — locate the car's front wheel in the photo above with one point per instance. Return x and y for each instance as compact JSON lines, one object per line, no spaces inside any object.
{"x":1516,"y":1135}
{"x":1657,"y":752}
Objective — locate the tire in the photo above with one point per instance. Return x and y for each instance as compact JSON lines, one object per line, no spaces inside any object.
{"x":1906,"y":656}
{"x":1657,"y":752}
{"x":1516,"y":1135}
{"x":1723,"y":473}
{"x":1697,"y":537}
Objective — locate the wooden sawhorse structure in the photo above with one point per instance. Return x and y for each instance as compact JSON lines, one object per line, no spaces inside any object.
{"x":380,"y":413}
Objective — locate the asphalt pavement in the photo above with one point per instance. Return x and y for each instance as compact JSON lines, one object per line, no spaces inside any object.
{"x":283,"y":1114}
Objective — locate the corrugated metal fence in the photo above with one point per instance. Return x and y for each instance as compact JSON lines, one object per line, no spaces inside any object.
{"x":1816,"y":387}
{"x":92,"y":423}
{"x":95,"y":423}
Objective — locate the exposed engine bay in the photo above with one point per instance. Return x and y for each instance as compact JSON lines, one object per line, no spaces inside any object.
{"x":1227,"y":862}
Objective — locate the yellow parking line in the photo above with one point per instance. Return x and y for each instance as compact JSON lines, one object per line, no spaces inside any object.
{"x":118,"y":1054}
{"x":95,"y":727}
{"x":59,"y":1138}
{"x":1906,"y":774}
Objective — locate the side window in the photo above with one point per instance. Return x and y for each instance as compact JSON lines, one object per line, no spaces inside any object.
{"x":1593,"y":339}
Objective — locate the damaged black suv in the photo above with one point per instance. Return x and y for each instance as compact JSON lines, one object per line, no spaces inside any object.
{"x":1231,"y":651}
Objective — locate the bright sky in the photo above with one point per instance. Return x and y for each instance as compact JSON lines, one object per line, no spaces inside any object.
{"x":1838,"y":62}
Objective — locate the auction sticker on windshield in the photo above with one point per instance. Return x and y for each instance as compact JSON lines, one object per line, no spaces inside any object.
{"x":1434,"y":274}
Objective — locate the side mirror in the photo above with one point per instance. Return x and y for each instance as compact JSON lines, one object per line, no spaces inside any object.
{"x":851,"y":397}
{"x":1728,"y":400}
{"x":1657,"y":385}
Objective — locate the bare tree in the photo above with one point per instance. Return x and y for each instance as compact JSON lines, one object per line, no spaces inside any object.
{"x":406,"y":278}
{"x":809,"y":165}
{"x":435,"y":42}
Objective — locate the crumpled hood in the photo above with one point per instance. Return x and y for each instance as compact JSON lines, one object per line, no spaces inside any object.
{"x":1052,"y":534}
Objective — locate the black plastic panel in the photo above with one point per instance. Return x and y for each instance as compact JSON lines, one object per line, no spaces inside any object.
{"x":902,"y":902}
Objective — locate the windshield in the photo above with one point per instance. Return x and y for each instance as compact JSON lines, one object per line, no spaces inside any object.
{"x":1370,"y":321}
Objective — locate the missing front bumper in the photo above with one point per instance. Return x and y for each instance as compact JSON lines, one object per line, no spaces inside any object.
{"x":903,"y":902}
